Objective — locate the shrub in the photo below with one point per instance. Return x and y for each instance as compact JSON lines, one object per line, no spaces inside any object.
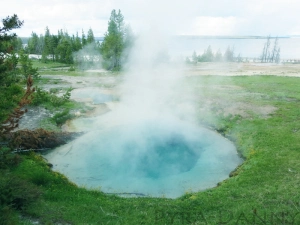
{"x":7,"y":216}
{"x":7,"y":159}
{"x":44,"y":97}
{"x":16,"y":192}
{"x":61,"y":117}
{"x":40,"y":96}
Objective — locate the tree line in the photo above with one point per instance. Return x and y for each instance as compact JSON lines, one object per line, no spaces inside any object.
{"x":59,"y":47}
{"x":270,"y":54}
{"x":63,"y":47}
{"x":78,"y":49}
{"x":209,"y":56}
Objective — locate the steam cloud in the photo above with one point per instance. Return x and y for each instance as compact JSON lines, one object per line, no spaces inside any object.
{"x":152,"y":127}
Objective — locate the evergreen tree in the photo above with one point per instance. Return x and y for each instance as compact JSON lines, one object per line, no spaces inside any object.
{"x":64,"y":50}
{"x":77,"y":43}
{"x":17,"y":44}
{"x":47,"y":43}
{"x":218,"y":56}
{"x":207,"y":56}
{"x":229,"y":54}
{"x":33,"y":43}
{"x":8,"y":60}
{"x":90,"y":37}
{"x":26,"y":68}
{"x":50,"y":44}
{"x":113,"y":44}
{"x":194,"y":57}
{"x":83,"y":39}
{"x":41,"y":45}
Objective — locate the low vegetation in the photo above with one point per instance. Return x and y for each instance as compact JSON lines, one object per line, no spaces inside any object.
{"x":263,"y":190}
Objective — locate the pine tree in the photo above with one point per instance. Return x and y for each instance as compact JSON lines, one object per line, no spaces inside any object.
{"x":26,"y":67}
{"x":8,"y":60}
{"x":218,"y":56}
{"x":64,"y":50}
{"x":77,"y":43}
{"x":46,"y":49}
{"x":83,"y":39}
{"x":90,"y":37}
{"x":32,"y":46}
{"x":17,"y":44}
{"x":208,"y":55}
{"x":113,"y":44}
{"x":229,"y":54}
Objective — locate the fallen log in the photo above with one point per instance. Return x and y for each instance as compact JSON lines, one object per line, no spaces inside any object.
{"x":30,"y":150}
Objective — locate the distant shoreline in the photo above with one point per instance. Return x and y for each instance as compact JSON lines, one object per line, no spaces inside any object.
{"x":229,"y":37}
{"x":214,"y":37}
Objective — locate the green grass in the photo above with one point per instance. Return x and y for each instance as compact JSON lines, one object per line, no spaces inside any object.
{"x":77,"y":73}
{"x":49,"y":65}
{"x":263,"y":190}
{"x":61,"y":72}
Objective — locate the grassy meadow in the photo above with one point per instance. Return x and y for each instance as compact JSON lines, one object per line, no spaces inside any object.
{"x":264,"y":190}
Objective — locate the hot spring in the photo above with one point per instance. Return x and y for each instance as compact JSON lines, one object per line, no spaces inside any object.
{"x":149,"y":143}
{"x":158,"y":158}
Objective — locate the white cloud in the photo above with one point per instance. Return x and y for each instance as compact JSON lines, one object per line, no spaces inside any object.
{"x":214,"y":17}
{"x":206,"y":25}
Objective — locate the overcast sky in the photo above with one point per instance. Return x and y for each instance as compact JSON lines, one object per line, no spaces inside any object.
{"x":193,"y":17}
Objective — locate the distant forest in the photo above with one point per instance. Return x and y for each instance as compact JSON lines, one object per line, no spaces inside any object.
{"x":209,"y":56}
{"x":81,"y":48}
{"x":270,"y":54}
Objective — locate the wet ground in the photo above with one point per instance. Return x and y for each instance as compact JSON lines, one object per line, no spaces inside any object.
{"x":96,"y":91}
{"x":100,"y":91}
{"x":33,"y":118}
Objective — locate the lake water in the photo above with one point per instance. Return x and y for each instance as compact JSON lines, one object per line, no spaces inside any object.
{"x":246,"y":47}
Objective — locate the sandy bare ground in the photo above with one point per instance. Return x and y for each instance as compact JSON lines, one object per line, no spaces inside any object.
{"x":244,"y":69}
{"x":225,"y":104}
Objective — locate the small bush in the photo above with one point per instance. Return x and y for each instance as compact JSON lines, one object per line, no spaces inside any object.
{"x":72,"y":68}
{"x":7,"y":216}
{"x":16,"y":192}
{"x":40,"y":96}
{"x":61,"y":117}
{"x":40,"y":178}
{"x":43,"y":97}
{"x":7,"y":159}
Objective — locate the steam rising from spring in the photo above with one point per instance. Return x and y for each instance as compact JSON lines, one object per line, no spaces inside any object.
{"x":149,"y":143}
{"x":154,"y":85}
